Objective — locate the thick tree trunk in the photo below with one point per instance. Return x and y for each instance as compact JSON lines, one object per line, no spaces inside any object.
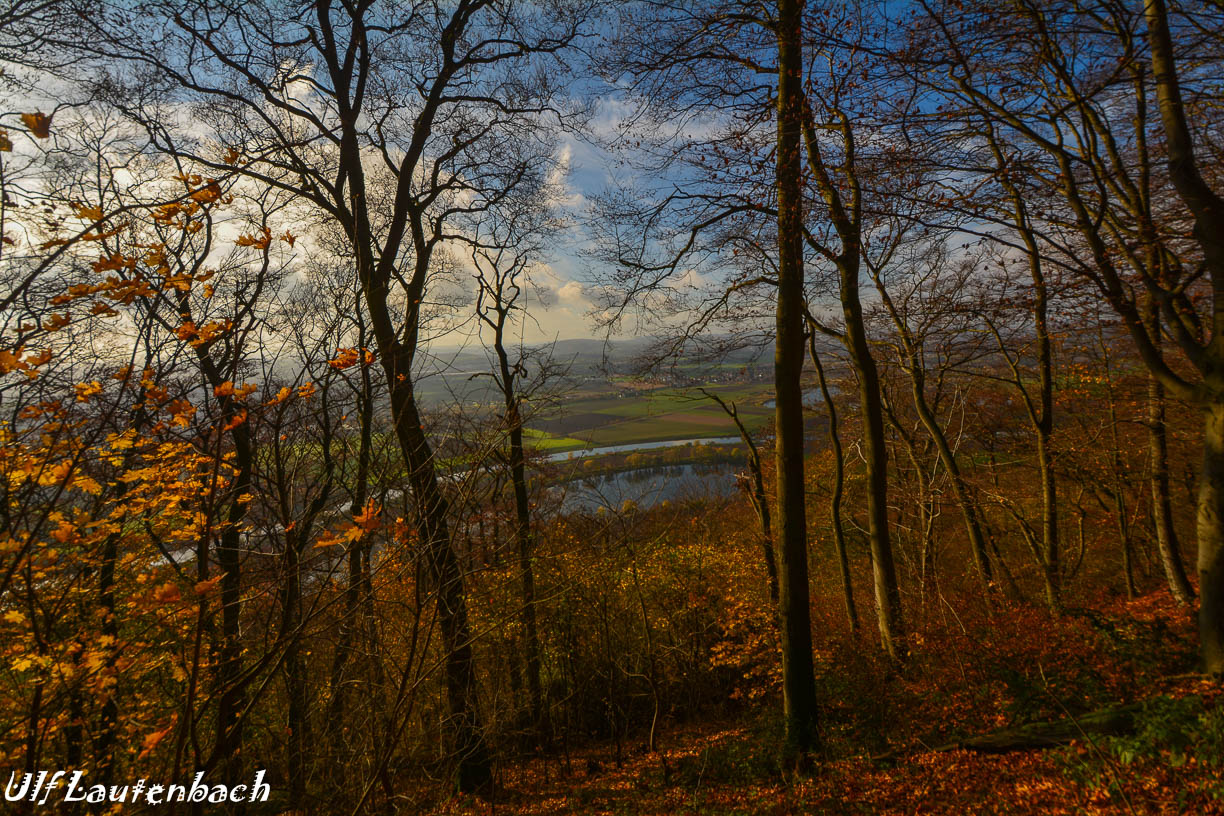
{"x":396,"y":348}
{"x":1211,"y":542}
{"x":1207,"y":207}
{"x":798,"y":673}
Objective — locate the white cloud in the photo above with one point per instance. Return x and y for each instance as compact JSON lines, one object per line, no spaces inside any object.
{"x":571,"y":293}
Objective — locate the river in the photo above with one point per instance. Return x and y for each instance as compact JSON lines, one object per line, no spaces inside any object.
{"x":647,"y":487}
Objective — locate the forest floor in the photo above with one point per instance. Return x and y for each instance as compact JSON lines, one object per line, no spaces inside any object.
{"x":1118,"y":652}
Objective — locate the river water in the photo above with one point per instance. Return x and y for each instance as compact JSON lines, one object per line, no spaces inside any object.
{"x":646,"y":487}
{"x":640,"y":446}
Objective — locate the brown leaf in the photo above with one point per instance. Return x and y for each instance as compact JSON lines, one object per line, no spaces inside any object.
{"x":39,"y":124}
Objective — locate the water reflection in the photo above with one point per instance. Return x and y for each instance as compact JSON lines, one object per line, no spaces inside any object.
{"x":646,"y":487}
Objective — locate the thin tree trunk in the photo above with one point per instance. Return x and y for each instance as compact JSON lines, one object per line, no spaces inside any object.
{"x":839,"y":481}
{"x":354,"y":596}
{"x":887,"y":595}
{"x":1158,"y":454}
{"x":973,"y":527}
{"x":522,"y":512}
{"x":760,"y":500}
{"x":1041,"y":412}
{"x":294,"y":668}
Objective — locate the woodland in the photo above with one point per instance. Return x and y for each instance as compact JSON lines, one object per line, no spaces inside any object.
{"x":945,"y":278}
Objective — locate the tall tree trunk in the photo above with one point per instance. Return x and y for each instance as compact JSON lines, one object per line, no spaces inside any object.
{"x":798,"y":672}
{"x":1117,"y":483}
{"x":1158,"y":456}
{"x":396,"y":348}
{"x":1207,"y":207}
{"x":522,"y":531}
{"x":1041,"y":411}
{"x":1044,"y":426}
{"x":351,"y":629}
{"x":884,"y":572}
{"x":474,"y":771}
{"x":1211,"y":541}
{"x":228,"y":745}
{"x":839,"y":481}
{"x":921,"y":497}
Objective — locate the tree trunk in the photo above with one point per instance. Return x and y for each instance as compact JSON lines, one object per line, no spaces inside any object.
{"x":474,"y":771}
{"x":522,"y":512}
{"x":835,"y":498}
{"x":758,"y":496}
{"x":294,"y":668}
{"x":887,"y":596}
{"x":1158,"y":454}
{"x":798,"y":673}
{"x":1207,"y":207}
{"x":351,"y":629}
{"x":977,"y":541}
{"x":1211,"y":542}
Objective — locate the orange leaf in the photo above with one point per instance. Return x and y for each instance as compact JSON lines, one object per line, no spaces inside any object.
{"x":38,"y":123}
{"x":343,"y":359}
{"x":151,"y":741}
{"x":167,"y":593}
{"x":257,"y":241}
{"x":205,"y":587}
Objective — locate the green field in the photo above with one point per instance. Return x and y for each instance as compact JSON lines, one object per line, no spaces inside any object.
{"x":648,"y":416}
